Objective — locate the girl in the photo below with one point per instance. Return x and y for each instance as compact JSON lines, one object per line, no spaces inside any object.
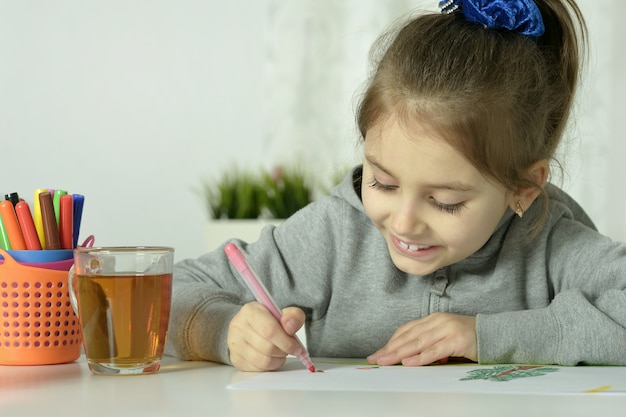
{"x":447,"y":241}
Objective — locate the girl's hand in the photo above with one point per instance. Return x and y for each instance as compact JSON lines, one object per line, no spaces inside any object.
{"x":434,"y":338}
{"x":258,"y":342}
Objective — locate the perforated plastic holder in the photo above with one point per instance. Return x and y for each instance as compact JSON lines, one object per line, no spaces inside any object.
{"x":37,"y":323}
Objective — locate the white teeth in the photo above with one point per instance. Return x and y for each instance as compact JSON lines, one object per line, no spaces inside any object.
{"x":412,"y":247}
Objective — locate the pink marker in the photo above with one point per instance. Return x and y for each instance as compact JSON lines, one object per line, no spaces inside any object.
{"x":260,"y":293}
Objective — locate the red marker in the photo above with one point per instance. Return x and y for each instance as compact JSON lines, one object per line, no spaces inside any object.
{"x":66,"y":221}
{"x":31,"y":238}
{"x":260,"y":293}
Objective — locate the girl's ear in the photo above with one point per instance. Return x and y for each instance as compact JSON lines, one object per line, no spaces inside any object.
{"x":523,"y":197}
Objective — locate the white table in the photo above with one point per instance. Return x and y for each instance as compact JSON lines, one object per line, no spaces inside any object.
{"x":199,"y":389}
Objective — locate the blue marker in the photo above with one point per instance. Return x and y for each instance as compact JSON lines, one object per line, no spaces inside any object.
{"x":79,"y":201}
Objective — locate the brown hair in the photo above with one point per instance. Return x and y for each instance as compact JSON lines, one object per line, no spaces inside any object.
{"x":498,"y":97}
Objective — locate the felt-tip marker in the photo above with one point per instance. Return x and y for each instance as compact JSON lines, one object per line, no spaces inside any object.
{"x":78,"y":201}
{"x":260,"y":293}
{"x":51,"y":231}
{"x":5,"y":243}
{"x":31,"y":238}
{"x":56,"y":203}
{"x":66,"y":221}
{"x":12,"y":226}
{"x":37,"y":219}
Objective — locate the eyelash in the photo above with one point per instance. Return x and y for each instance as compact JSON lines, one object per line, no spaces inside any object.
{"x":373,"y":183}
{"x":452,"y":209}
{"x":448,"y":208}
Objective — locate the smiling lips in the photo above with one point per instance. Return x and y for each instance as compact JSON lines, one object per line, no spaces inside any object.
{"x":412,"y":247}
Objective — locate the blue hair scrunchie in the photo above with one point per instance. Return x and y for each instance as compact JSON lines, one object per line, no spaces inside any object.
{"x":521,"y":16}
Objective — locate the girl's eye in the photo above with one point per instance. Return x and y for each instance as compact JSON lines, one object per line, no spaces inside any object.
{"x":448,"y":208}
{"x":376,"y":185}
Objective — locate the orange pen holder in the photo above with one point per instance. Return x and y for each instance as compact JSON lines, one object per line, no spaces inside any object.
{"x":37,"y":323}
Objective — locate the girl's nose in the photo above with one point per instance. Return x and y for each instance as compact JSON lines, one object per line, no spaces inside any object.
{"x":408,"y":220}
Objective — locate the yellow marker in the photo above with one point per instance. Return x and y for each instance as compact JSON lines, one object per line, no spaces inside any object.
{"x":37,"y":217}
{"x":599,"y":389}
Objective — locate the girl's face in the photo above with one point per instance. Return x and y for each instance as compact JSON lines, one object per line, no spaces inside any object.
{"x":430,"y":203}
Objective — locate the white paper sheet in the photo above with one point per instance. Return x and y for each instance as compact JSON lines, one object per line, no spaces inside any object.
{"x":348,"y":375}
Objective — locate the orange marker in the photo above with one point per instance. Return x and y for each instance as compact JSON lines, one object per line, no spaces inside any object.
{"x":12,"y":226}
{"x":31,"y":238}
{"x":66,"y":221}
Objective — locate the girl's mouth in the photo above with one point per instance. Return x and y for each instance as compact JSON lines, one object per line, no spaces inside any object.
{"x":416,"y":250}
{"x":412,"y":247}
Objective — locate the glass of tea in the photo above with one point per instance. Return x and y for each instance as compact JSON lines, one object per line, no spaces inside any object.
{"x":122,"y":297}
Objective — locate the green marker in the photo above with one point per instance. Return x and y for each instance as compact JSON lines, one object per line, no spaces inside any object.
{"x":56,"y":203}
{"x":4,"y":237}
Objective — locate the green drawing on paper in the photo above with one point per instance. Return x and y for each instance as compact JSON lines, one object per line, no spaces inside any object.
{"x":508,"y":372}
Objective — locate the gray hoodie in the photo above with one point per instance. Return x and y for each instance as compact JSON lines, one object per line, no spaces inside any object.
{"x":559,"y":299}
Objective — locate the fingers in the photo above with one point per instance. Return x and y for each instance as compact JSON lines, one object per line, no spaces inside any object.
{"x":258,"y":342}
{"x":432,"y":339}
{"x":419,"y":345}
{"x":252,"y":360}
{"x":292,"y":320}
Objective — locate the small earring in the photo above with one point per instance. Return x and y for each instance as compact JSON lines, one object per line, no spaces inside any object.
{"x":520,"y":209}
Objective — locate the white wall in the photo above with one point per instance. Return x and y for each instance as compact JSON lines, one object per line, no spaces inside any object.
{"x":133,"y":103}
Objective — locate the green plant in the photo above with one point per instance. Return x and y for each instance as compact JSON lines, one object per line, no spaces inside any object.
{"x":286,"y":191}
{"x":271,"y":194}
{"x":236,"y":195}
